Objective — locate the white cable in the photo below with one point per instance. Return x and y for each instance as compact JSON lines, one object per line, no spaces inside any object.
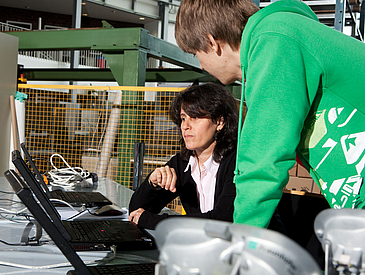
{"x":65,"y":170}
{"x":41,"y":267}
{"x":109,"y":258}
{"x":77,"y":214}
{"x":60,"y":264}
{"x":65,"y":176}
{"x":13,"y":212}
{"x":64,"y":202}
{"x":16,"y":218}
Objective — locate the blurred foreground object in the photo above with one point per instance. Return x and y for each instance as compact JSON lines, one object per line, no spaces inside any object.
{"x":342,"y":235}
{"x":200,"y":246}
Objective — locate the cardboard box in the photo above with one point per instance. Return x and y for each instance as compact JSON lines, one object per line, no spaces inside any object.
{"x":293,"y":171}
{"x":302,"y":172}
{"x":316,"y":189}
{"x":300,"y":184}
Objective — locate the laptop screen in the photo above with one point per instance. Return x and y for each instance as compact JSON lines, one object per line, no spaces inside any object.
{"x":35,"y":169}
{"x":25,"y":195}
{"x":38,"y":191}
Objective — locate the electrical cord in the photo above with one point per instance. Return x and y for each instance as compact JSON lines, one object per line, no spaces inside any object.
{"x":10,"y":244}
{"x":32,"y":241}
{"x":113,"y":249}
{"x":17,"y":218}
{"x":64,"y":202}
{"x":108,"y":258}
{"x":7,"y":192}
{"x":10,"y":200}
{"x":19,"y":244}
{"x":69,"y":176}
{"x":28,"y":216}
{"x":38,"y":267}
{"x":11,"y":219}
{"x":13,"y":212}
{"x":78,"y":214}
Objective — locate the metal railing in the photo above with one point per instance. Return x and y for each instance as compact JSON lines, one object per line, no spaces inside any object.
{"x":89,"y":58}
{"x":5,"y":27}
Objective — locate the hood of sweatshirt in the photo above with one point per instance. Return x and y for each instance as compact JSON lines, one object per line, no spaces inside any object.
{"x":290,"y":6}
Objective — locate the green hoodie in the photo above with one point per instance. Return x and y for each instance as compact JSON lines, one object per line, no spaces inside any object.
{"x":305,"y":94}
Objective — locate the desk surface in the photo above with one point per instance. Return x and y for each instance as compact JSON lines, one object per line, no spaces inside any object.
{"x":49,"y":254}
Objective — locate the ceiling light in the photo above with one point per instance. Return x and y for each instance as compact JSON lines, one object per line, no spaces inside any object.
{"x":142,"y":18}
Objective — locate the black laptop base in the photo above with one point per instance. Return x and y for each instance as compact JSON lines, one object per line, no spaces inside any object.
{"x":26,"y":196}
{"x":124,"y":269}
{"x":124,"y":235}
{"x":101,"y":233}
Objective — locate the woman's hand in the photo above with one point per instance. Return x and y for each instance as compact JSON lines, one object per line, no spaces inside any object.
{"x":135,"y":215}
{"x":165,"y":177}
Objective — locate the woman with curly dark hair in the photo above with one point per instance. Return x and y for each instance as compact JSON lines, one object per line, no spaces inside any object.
{"x":202,"y":173}
{"x":210,"y":101}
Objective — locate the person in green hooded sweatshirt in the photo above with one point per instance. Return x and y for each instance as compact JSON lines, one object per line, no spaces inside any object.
{"x":305,"y":95}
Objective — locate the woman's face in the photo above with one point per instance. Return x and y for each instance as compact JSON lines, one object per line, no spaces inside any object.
{"x":198,"y":133}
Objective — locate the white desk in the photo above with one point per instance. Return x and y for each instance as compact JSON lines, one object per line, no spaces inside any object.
{"x":49,"y":254}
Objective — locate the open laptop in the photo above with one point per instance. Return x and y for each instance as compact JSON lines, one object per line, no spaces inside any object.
{"x":84,"y":235}
{"x":26,"y":196}
{"x":89,"y":199}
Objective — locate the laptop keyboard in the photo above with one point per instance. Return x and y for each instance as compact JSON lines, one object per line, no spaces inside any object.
{"x":95,"y":230}
{"x":72,"y":196}
{"x":135,"y":269}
